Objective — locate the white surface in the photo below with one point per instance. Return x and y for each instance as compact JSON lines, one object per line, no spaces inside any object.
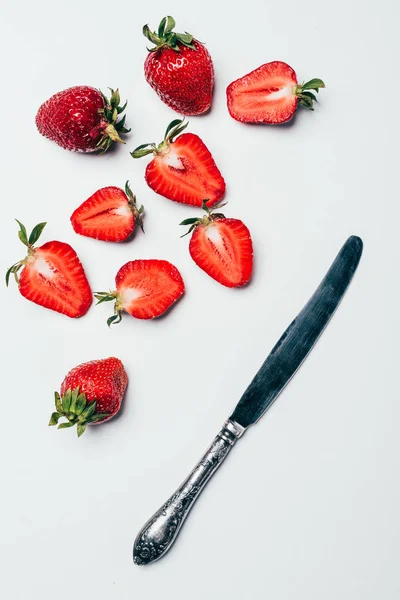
{"x":307,"y":507}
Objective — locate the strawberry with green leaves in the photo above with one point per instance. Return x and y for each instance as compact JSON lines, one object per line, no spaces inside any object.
{"x":270,"y":94}
{"x":179,"y":68}
{"x":222,"y":247}
{"x":145,"y":289}
{"x":110,"y":214}
{"x":182,"y":168}
{"x":82,"y":119}
{"x":51,"y":275}
{"x":91,"y":393}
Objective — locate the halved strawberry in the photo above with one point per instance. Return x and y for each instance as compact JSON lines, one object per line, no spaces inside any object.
{"x":145,"y":289}
{"x":52,"y":275}
{"x":110,"y":214}
{"x":182,"y":169}
{"x":270,"y":94}
{"x":221,"y":247}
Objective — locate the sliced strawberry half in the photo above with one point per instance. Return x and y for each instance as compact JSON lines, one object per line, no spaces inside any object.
{"x":52,"y":275}
{"x":183,"y":168}
{"x":145,"y":289}
{"x":222,"y":247}
{"x":110,"y":214}
{"x":270,"y":94}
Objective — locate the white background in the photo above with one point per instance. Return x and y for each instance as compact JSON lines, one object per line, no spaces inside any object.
{"x":307,"y":506}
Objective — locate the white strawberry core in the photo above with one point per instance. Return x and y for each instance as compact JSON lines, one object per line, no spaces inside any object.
{"x":123,"y":210}
{"x":43,"y":267}
{"x":130,"y":294}
{"x":173,"y":160}
{"x":213,"y":234}
{"x":285,"y":92}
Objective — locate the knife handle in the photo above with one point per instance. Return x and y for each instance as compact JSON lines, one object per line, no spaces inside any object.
{"x":160,"y":532}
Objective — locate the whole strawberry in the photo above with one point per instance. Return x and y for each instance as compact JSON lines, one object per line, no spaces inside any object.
{"x":179,"y":69}
{"x":91,"y":393}
{"x":51,"y":275}
{"x":82,"y":119}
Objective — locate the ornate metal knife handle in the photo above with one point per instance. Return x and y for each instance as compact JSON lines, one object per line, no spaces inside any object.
{"x":160,"y":532}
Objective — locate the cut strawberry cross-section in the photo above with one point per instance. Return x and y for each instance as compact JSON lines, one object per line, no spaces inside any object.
{"x":222,"y":247}
{"x":145,"y":289}
{"x":183,"y":168}
{"x":110,"y":214}
{"x":270,"y":94}
{"x":52,"y":275}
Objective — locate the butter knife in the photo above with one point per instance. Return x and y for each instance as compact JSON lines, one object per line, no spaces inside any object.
{"x":159,"y":533}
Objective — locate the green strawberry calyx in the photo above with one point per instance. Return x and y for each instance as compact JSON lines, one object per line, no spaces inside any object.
{"x":29,"y":242}
{"x":112,"y":127}
{"x":305,"y":97}
{"x":164,"y":37}
{"x":174,"y":129}
{"x":137,"y":212}
{"x":76,"y":409}
{"x":206,"y":219}
{"x":111,"y":296}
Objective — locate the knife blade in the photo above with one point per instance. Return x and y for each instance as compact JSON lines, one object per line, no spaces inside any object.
{"x":159,"y":533}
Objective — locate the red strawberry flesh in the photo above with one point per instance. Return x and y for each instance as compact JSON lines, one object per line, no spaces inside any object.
{"x":106,"y":216}
{"x":54,"y":278}
{"x":186,"y":172}
{"x":147,"y":288}
{"x":266,"y":95}
{"x":183,"y":168}
{"x":223,"y":249}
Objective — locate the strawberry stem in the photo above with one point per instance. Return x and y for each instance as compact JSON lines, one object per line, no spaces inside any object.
{"x":137,"y":212}
{"x":305,"y":97}
{"x":118,"y":306}
{"x":174,"y":129}
{"x":208,"y":218}
{"x":164,"y":37}
{"x":112,"y":127}
{"x":28,"y":242}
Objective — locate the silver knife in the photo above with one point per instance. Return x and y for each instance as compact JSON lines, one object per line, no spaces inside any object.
{"x":160,"y":532}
